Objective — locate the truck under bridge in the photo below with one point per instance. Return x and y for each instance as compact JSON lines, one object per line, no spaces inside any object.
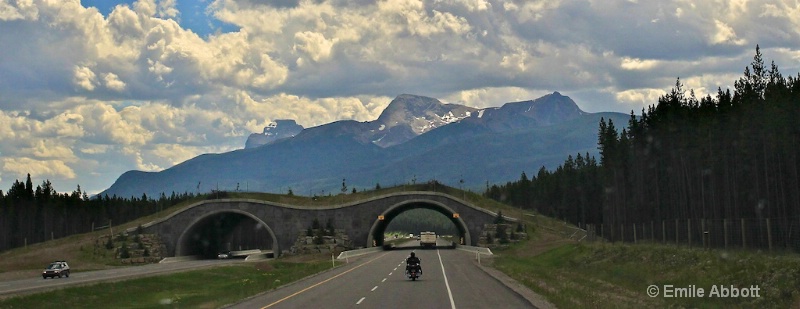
{"x":208,"y":227}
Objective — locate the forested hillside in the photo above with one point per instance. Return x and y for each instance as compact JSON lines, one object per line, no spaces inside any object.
{"x":422,"y":220}
{"x":687,"y":167}
{"x":29,"y":215}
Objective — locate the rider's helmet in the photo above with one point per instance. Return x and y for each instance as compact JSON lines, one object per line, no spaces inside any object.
{"x":412,"y":254}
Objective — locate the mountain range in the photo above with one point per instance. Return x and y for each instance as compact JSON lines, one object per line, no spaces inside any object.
{"x":415,"y":139}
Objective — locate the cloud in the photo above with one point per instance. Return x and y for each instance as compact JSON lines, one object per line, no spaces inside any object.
{"x":725,"y":35}
{"x":638,"y":64}
{"x":22,"y":166}
{"x":84,"y":78}
{"x":112,"y":82}
{"x":135,"y":89}
{"x":639,"y":97}
{"x":313,"y":44}
{"x":17,"y":11}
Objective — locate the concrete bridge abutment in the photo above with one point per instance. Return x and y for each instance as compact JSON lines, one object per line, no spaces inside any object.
{"x":205,"y":227}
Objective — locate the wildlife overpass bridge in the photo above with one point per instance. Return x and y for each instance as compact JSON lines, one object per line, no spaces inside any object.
{"x":211,"y":226}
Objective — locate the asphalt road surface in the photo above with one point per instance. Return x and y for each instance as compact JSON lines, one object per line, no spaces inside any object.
{"x":37,"y":284}
{"x":450,"y":279}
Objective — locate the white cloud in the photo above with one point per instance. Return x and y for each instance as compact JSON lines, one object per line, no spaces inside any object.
{"x":471,"y":5}
{"x":84,"y":78}
{"x":637,"y":98}
{"x":637,"y":64}
{"x":105,"y":125}
{"x":135,"y":89}
{"x":20,"y":9}
{"x":167,"y":9}
{"x":313,"y":44}
{"x":145,"y":7}
{"x":724,"y":34}
{"x":112,"y":82}
{"x":23,"y":166}
{"x":532,"y":10}
{"x":491,"y":97}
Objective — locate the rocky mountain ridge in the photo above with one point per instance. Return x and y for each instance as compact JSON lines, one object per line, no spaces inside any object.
{"x":415,"y":138}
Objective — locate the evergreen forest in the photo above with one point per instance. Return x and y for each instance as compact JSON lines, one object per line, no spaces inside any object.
{"x":724,"y":164}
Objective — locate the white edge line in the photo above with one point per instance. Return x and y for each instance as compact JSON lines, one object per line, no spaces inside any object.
{"x":360,"y":300}
{"x":447,"y":284}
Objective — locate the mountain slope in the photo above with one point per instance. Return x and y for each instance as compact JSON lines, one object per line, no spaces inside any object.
{"x":481,"y":156}
{"x":454,"y":143}
{"x":280,"y":129}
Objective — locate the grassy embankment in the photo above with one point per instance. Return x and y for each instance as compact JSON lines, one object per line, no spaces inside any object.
{"x":552,"y":263}
{"x":210,"y":288}
{"x":573,"y":274}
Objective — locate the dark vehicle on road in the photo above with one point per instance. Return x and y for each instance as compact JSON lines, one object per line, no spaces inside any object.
{"x":413,"y":268}
{"x":56,"y":269}
{"x":224,"y":255}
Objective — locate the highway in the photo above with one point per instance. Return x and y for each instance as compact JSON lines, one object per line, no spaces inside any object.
{"x":37,"y":284}
{"x":451,"y":279}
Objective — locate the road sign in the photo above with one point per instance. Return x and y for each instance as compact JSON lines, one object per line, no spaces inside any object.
{"x":380,"y":218}
{"x":455,"y":215}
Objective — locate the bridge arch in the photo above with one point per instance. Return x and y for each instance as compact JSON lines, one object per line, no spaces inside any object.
{"x":375,"y":236}
{"x":198,"y":238}
{"x":283,"y":226}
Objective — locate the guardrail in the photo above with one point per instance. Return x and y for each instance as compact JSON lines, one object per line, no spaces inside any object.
{"x":477,"y":250}
{"x":357,"y":252}
{"x":171,"y":259}
{"x":246,"y":252}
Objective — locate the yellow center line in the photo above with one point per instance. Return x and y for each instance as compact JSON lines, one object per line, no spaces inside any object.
{"x":321,"y":282}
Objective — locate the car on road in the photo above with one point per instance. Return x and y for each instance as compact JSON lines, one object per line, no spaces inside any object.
{"x":224,"y":255}
{"x":56,"y":269}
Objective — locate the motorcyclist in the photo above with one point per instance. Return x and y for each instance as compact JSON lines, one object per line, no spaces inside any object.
{"x":413,"y":260}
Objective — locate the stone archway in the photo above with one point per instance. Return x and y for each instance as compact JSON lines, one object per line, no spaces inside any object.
{"x":378,"y":228}
{"x":224,"y":230}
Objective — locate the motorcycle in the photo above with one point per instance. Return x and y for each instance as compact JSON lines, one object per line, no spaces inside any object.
{"x":413,"y":271}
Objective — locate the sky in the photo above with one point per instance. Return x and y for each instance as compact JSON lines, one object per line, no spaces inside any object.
{"x":91,"y":89}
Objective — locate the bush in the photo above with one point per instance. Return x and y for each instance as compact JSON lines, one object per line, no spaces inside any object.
{"x":501,"y":234}
{"x":124,"y":253}
{"x":499,"y":219}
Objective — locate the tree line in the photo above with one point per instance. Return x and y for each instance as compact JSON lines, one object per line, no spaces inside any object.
{"x":422,"y":220}
{"x":31,"y":214}
{"x":728,"y":156}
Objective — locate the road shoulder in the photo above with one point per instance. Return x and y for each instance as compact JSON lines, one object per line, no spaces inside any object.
{"x":536,"y":300}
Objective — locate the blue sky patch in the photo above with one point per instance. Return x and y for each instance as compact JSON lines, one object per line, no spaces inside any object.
{"x":192,"y":15}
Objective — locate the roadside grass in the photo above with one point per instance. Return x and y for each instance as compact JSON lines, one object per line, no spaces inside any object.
{"x":207,"y":288}
{"x":606,"y":275}
{"x":78,"y":250}
{"x":570,"y":274}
